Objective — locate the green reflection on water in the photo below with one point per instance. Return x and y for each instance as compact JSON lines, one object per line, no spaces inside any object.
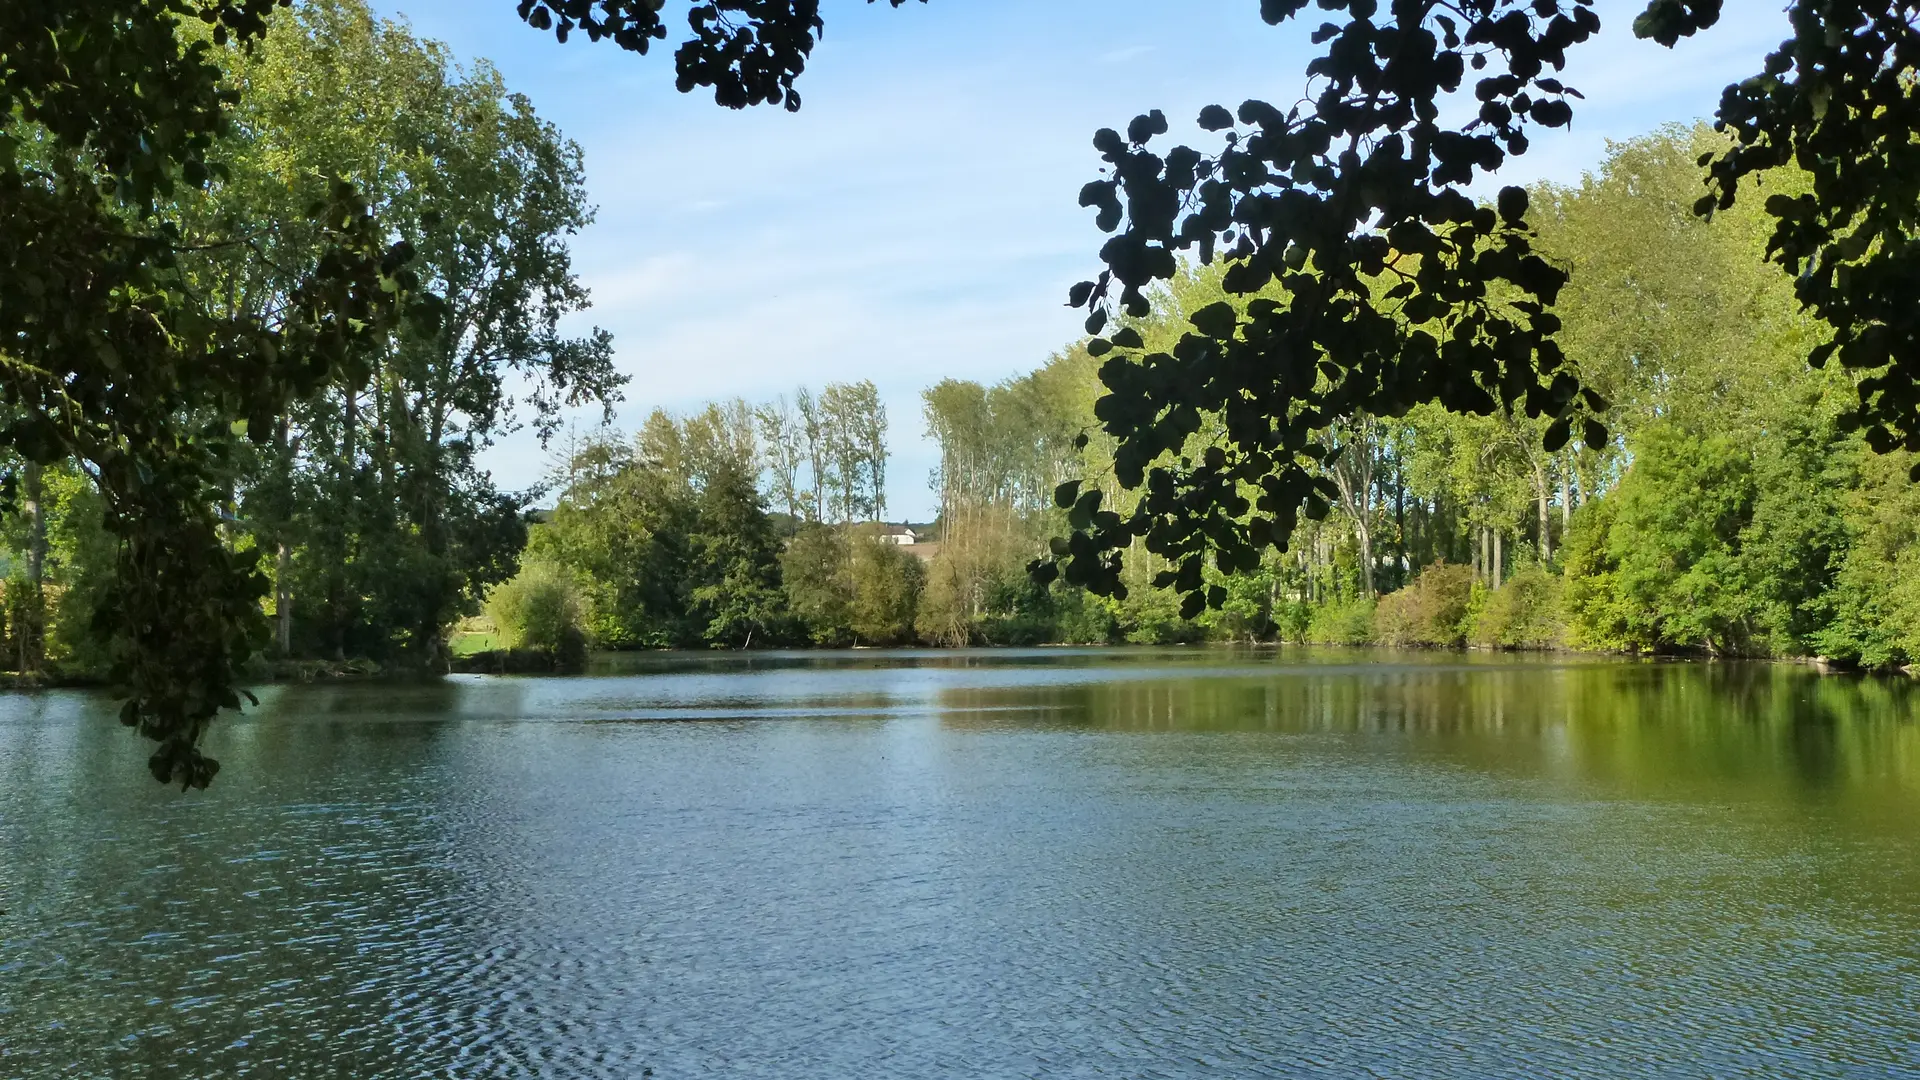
{"x":1631,"y":729}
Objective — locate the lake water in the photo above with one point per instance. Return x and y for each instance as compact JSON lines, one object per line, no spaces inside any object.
{"x":1049,"y":863}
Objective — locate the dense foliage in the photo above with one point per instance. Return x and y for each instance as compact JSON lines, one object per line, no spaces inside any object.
{"x":1730,"y":510}
{"x":672,"y":545}
{"x":264,"y":299}
{"x":1397,"y":291}
{"x":380,"y":526}
{"x":539,"y":610}
{"x":1734,"y":508}
{"x":114,"y":119}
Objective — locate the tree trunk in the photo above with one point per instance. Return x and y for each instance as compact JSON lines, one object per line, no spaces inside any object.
{"x":1365,"y":536}
{"x":433,"y":649}
{"x":336,"y":587}
{"x":1543,"y":488}
{"x":1499,"y":556}
{"x":1401,"y":564}
{"x":877,"y":466}
{"x":390,"y":416}
{"x":349,"y":432}
{"x":283,"y":556}
{"x":30,"y":626}
{"x":1566,"y":497}
{"x":283,"y":599}
{"x":1310,"y":562}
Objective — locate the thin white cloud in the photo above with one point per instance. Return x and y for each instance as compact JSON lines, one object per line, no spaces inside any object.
{"x":653,"y":279}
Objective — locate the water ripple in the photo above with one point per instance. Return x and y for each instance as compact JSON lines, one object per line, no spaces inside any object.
{"x":988,"y":871}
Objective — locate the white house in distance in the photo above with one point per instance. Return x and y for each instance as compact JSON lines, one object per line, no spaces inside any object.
{"x":916,"y":539}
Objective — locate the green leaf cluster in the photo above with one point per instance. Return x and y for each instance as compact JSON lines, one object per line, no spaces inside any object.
{"x":115,"y":359}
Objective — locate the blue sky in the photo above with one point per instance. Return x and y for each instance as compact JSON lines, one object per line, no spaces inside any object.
{"x":916,"y":219}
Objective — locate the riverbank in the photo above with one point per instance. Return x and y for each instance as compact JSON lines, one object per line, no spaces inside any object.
{"x":539,"y":662}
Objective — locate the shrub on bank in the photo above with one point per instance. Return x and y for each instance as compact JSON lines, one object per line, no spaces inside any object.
{"x":1152,"y":617}
{"x":1291,"y":618}
{"x":1064,"y":615}
{"x":1081,"y":618}
{"x":1432,"y":610}
{"x":539,"y":610}
{"x":1525,"y":613}
{"x":1348,"y":622}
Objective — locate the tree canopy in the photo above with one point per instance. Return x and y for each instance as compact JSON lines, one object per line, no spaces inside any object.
{"x":1729,"y":512}
{"x":1399,"y":287}
{"x":113,"y":356}
{"x":196,"y":256}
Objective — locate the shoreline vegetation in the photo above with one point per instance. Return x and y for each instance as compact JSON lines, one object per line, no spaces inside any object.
{"x":1727,"y":509}
{"x":537,"y":662}
{"x":1730,"y":513}
{"x":540,"y":662}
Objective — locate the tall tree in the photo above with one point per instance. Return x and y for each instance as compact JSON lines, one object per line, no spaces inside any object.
{"x":872,"y":437}
{"x":1357,"y":450}
{"x":783,"y":452}
{"x":850,"y":412}
{"x":721,"y":440}
{"x":735,"y":563}
{"x":623,"y":525}
{"x":110,"y":114}
{"x":486,"y":194}
{"x":816,"y":434}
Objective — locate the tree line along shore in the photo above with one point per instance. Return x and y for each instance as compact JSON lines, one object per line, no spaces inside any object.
{"x":1728,"y":512}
